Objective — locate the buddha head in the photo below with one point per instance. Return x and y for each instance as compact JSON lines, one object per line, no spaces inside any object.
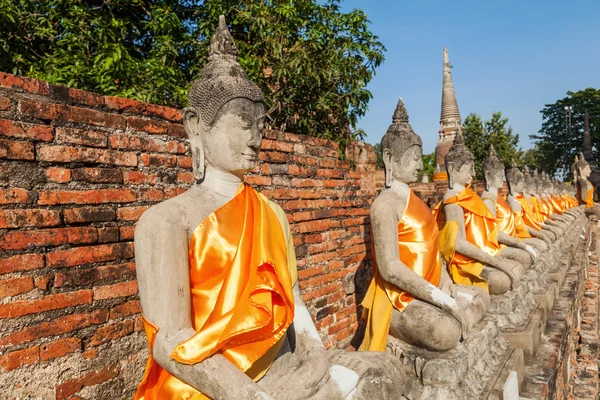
{"x":574,"y":176}
{"x":225,"y":114}
{"x":582,"y":167}
{"x":493,"y":170}
{"x":530,"y":185}
{"x":515,"y":179}
{"x":402,"y":149}
{"x":537,"y":182}
{"x":460,"y":163}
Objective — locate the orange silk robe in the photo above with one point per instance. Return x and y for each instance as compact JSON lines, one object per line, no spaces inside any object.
{"x":480,"y":230}
{"x":529,"y":216}
{"x":505,"y":218}
{"x":557,"y":205}
{"x":589,"y":199}
{"x":418,"y":249}
{"x":242,"y":299}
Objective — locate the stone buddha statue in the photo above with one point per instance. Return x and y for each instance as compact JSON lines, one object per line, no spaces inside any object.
{"x":494,"y":178}
{"x":526,"y":225}
{"x":411,"y":295}
{"x":469,"y":237}
{"x":531,"y":204}
{"x":217,"y":271}
{"x":584,"y":186}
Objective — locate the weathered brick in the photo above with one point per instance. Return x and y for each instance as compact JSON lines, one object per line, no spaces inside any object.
{"x":257,"y":180}
{"x":15,"y":286}
{"x":14,"y":150}
{"x":75,"y":96}
{"x":15,"y":196}
{"x":53,"y":197}
{"x":158,"y":160}
{"x":59,"y":348}
{"x":126,"y":309}
{"x":5,"y":103}
{"x":47,"y":303}
{"x":81,"y":136}
{"x":67,"y":154}
{"x":315,"y":226}
{"x":35,"y":86}
{"x":108,"y":234}
{"x":177,"y":130}
{"x":185,"y":177}
{"x":87,"y":255}
{"x":126,"y":232}
{"x":97,"y":175}
{"x":68,"y":388}
{"x":19,"y":358}
{"x":184,"y":162}
{"x":138,"y":107}
{"x":21,"y":262}
{"x":43,"y":282}
{"x":146,"y":125}
{"x":61,"y":112}
{"x":139,"y":178}
{"x":111,"y":332}
{"x":27,"y":239}
{"x":85,"y":276}
{"x":26,"y":131}
{"x":20,"y":218}
{"x":58,"y":175}
{"x":131,"y":213}
{"x":122,"y":289}
{"x":151,"y":194}
{"x":89,"y":214}
{"x":58,"y":326}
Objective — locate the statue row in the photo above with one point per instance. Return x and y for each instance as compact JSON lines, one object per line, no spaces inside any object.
{"x":217,"y":270}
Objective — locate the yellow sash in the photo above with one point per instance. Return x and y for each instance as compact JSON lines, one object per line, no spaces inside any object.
{"x":418,"y":249}
{"x":589,"y":199}
{"x":529,"y":216}
{"x":505,"y":218}
{"x":242,"y":299}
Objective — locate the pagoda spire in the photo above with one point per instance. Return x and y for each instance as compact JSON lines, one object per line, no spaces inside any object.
{"x":450,"y":116}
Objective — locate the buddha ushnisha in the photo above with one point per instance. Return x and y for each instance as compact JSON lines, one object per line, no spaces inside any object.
{"x":494,"y":177}
{"x":469,"y":236}
{"x":411,"y":295}
{"x":217,"y":271}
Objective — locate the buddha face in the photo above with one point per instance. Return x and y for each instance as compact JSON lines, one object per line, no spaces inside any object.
{"x":406,"y":168}
{"x":233,"y":142}
{"x":495,"y":178}
{"x":586,"y":171}
{"x":464,"y":175}
{"x":519,"y":184}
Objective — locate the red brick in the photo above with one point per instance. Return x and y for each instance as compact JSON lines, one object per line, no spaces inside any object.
{"x":177,"y":130}
{"x":43,"y":282}
{"x":15,"y":286}
{"x":315,"y":226}
{"x":25,"y":239}
{"x":27,"y":131}
{"x":126,"y":232}
{"x":58,"y":175}
{"x":138,"y":107}
{"x":81,"y":136}
{"x":58,"y":326}
{"x":86,"y":276}
{"x":258,"y":180}
{"x":19,"y":358}
{"x":59,"y":348}
{"x":87,"y":255}
{"x":53,"y":197}
{"x":184,"y":162}
{"x":158,"y":160}
{"x":146,"y":125}
{"x":15,"y":196}
{"x":20,"y":218}
{"x":273,"y":156}
{"x":68,"y":388}
{"x":5,"y":103}
{"x":76,"y":96}
{"x":122,"y":289}
{"x":131,"y":213}
{"x":108,"y":235}
{"x":126,"y":309}
{"x":47,"y":303}
{"x":14,"y":150}
{"x":98,"y":175}
{"x":111,"y":332}
{"x":185,"y":177}
{"x":10,"y":81}
{"x":138,"y":178}
{"x":151,"y":194}
{"x":89,"y":214}
{"x":60,"y":112}
{"x":69,"y":154}
{"x":21,"y":262}
{"x":82,"y":235}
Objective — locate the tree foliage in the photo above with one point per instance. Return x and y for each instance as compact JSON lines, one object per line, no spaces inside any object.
{"x":479,"y":135}
{"x":312,"y":60}
{"x":557,"y":143}
{"x":428,"y":166}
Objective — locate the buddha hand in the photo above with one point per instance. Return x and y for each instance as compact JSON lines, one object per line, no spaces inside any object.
{"x":514,"y":271}
{"x":531,"y":252}
{"x":458,"y":312}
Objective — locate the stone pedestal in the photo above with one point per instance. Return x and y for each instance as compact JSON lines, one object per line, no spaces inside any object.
{"x":475,"y":369}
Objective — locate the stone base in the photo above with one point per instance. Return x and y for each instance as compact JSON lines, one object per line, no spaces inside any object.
{"x":513,"y":361}
{"x":546,"y":301}
{"x":527,"y":338}
{"x":462,"y":373}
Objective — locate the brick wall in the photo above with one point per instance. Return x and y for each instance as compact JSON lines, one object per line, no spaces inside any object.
{"x":76,"y":172}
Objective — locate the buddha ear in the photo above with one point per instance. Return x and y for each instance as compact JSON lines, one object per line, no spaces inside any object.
{"x":195,"y":130}
{"x":387,"y":162}
{"x":450,"y":172}
{"x":486,"y":180}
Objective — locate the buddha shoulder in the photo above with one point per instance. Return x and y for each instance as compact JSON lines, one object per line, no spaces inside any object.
{"x":388,"y":205}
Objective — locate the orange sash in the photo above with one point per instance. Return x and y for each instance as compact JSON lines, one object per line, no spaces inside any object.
{"x":529,"y":216}
{"x":242,"y":299}
{"x":480,"y":230}
{"x":505,"y":218}
{"x":419,"y":250}
{"x":589,"y":199}
{"x":557,"y":206}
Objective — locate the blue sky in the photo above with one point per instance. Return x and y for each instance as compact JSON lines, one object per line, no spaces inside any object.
{"x":513,"y":56}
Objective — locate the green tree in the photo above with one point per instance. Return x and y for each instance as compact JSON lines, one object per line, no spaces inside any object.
{"x":379,"y":154}
{"x":558,"y":141}
{"x":479,"y":135}
{"x":428,"y":166}
{"x":312,"y":60}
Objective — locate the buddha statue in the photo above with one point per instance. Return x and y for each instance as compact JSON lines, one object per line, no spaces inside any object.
{"x":494,"y":178}
{"x":411,"y":295}
{"x":527,"y":228}
{"x":531,"y":205}
{"x":469,"y":236}
{"x":551,"y":216}
{"x":584,"y":186}
{"x":217,"y":271}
